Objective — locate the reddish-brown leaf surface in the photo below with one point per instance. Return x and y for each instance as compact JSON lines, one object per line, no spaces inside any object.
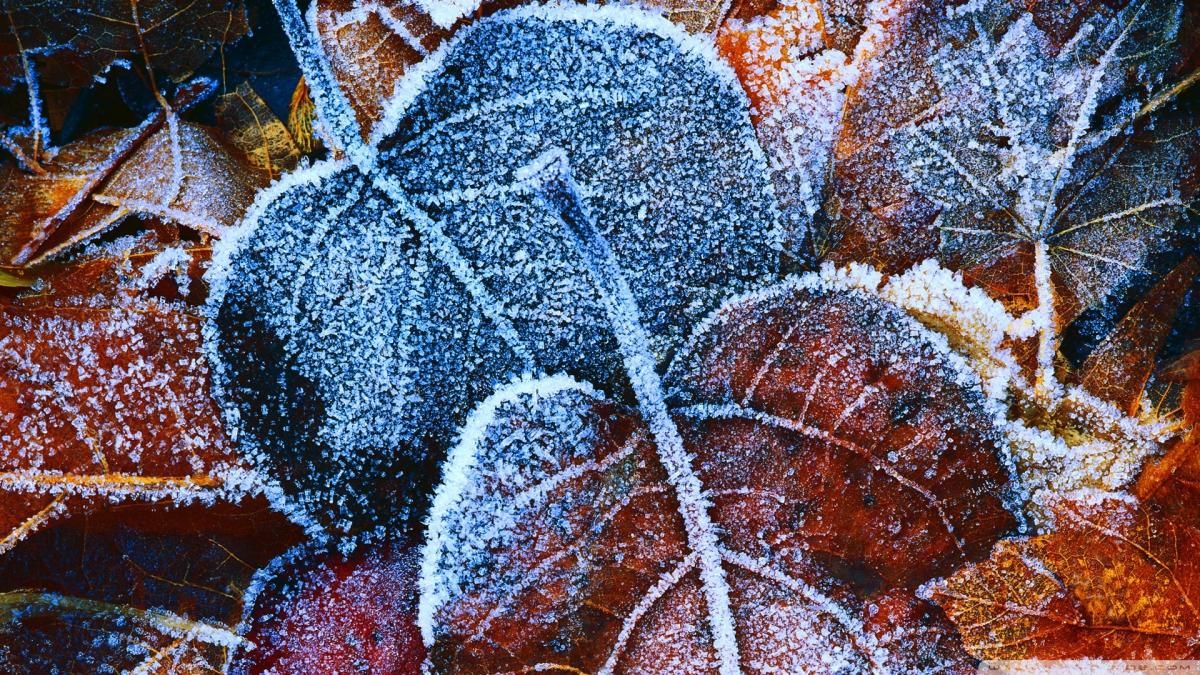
{"x":158,"y":587}
{"x":103,"y":389}
{"x":326,"y":612}
{"x":841,"y":451}
{"x":1113,"y":581}
{"x":370,"y":46}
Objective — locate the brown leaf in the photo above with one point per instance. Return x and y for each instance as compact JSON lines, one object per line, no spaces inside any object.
{"x":1112,"y":581}
{"x":167,"y":168}
{"x":66,"y":44}
{"x":1118,"y":368}
{"x":837,"y":451}
{"x":256,"y":131}
{"x":104,"y":391}
{"x":371,"y":45}
{"x":934,"y":161}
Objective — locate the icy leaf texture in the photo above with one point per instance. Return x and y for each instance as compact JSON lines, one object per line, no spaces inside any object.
{"x":104,"y":391}
{"x":326,"y":612}
{"x":1113,"y":581}
{"x":167,"y":168}
{"x":1026,"y":162}
{"x":371,"y":44}
{"x":843,"y":454}
{"x":143,"y":589}
{"x":357,"y":319}
{"x":256,"y":131}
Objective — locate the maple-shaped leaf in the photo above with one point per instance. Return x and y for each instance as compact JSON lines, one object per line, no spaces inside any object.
{"x":1048,"y":172}
{"x":819,"y":446}
{"x":361,"y":311}
{"x":1112,"y":581}
{"x":137,"y":588}
{"x":56,"y":47}
{"x":104,"y":389}
{"x":325,"y":611}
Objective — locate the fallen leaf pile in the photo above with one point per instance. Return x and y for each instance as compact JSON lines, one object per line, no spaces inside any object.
{"x":441,"y":336}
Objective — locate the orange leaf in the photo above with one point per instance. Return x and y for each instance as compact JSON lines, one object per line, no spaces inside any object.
{"x":104,"y":391}
{"x":1112,"y":581}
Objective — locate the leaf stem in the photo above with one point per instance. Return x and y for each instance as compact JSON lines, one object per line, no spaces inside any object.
{"x":551,"y":179}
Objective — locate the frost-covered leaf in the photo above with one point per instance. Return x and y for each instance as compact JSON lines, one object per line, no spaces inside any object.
{"x":256,"y":131}
{"x":1113,"y":581}
{"x":371,"y":44}
{"x":796,"y":60}
{"x":104,"y":390}
{"x":837,"y":448}
{"x":1029,"y":163}
{"x":358,"y":319}
{"x":320,"y":611}
{"x":146,"y":587}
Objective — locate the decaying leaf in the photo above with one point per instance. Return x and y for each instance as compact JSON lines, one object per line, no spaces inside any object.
{"x":142,"y":589}
{"x":302,"y":115}
{"x":1113,"y":581}
{"x":359,"y":317}
{"x":322,"y":611}
{"x":104,"y":390}
{"x":256,"y":131}
{"x":796,"y":61}
{"x":167,"y":167}
{"x":56,"y":48}
{"x":835,"y":446}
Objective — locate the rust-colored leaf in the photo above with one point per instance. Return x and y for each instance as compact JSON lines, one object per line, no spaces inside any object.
{"x":1117,"y":370}
{"x":839,"y":453}
{"x":104,"y":391}
{"x":371,"y":44}
{"x":324,"y":611}
{"x":1112,"y":581}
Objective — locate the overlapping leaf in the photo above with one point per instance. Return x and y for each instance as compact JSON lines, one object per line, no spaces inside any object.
{"x":104,"y":389}
{"x":148,"y":589}
{"x":360,"y":316}
{"x":838,"y":452}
